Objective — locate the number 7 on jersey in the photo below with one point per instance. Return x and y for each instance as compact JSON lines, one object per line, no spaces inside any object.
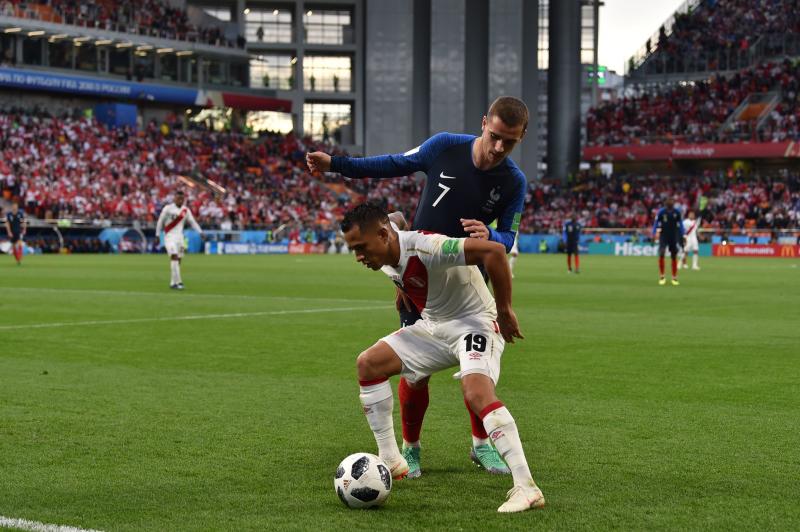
{"x":445,"y":190}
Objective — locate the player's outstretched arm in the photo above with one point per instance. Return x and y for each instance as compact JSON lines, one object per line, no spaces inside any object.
{"x":492,"y":255}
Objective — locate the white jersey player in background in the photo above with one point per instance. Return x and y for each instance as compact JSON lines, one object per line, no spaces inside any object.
{"x":690,"y":226}
{"x":171,"y":221}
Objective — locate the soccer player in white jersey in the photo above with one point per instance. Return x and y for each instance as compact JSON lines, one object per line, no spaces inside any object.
{"x":171,"y":221}
{"x":461,"y":325}
{"x":690,"y":227}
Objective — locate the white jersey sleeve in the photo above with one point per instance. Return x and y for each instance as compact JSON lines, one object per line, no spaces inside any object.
{"x":161,"y":218}
{"x":439,"y":251}
{"x":192,"y":221}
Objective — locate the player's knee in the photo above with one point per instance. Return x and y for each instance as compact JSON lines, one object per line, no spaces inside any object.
{"x":365,"y":366}
{"x":477,"y":393}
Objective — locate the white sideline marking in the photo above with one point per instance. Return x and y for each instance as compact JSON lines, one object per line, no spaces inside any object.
{"x":187,"y":318}
{"x":36,"y":526}
{"x":182,"y":295}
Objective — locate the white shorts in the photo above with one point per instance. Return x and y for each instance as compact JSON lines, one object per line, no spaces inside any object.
{"x":474,"y":344}
{"x":174,"y":246}
{"x":691,"y":245}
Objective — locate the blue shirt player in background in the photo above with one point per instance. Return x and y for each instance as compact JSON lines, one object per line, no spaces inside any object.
{"x":470,"y":182}
{"x":572,"y":238}
{"x":16,"y":226}
{"x":669,"y":228}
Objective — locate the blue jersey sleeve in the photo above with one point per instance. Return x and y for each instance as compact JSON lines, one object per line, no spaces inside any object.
{"x":508,"y":222}
{"x":564,"y":232}
{"x":418,"y":159}
{"x":680,"y":222}
{"x":658,"y":221}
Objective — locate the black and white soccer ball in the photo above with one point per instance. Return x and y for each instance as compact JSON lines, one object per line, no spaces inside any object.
{"x":362,"y":480}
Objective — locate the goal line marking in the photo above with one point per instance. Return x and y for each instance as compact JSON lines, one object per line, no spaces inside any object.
{"x":36,"y":526}
{"x":188,"y":318}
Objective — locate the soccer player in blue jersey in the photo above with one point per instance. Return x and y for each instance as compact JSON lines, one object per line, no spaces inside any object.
{"x":572,"y":235}
{"x":470,"y":182}
{"x":15,"y":228}
{"x":669,"y":228}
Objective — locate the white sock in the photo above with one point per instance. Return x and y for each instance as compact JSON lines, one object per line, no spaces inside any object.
{"x":477,"y":442}
{"x":502,"y":429}
{"x":694,"y":260}
{"x":378,"y":404}
{"x":511,"y":260}
{"x":176,"y":271}
{"x":172,"y":272}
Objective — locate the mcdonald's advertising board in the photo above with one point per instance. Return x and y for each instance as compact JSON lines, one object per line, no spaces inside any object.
{"x":785,"y":251}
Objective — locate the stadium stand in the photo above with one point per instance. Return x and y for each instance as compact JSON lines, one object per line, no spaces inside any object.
{"x":757,"y":104}
{"x":630,"y":201}
{"x":720,"y":35}
{"x":70,"y":167}
{"x":143,"y":17}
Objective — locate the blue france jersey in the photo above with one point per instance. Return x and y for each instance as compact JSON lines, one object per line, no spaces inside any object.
{"x":15,"y":221}
{"x":669,"y":220}
{"x":454,"y":189}
{"x":572,"y":232}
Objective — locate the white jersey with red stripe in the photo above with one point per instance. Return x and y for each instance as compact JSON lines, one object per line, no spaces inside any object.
{"x":172,"y":220}
{"x":433,"y":272}
{"x":690,"y":228}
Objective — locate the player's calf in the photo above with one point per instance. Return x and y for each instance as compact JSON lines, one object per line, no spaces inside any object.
{"x":375,"y":366}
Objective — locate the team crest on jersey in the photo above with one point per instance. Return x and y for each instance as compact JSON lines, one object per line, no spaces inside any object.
{"x":494,"y":197}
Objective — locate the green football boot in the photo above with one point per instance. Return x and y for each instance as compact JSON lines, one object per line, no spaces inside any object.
{"x":487,"y":457}
{"x":411,"y":454}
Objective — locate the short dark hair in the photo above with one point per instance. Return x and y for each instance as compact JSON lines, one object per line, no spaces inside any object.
{"x":364,"y":214}
{"x":512,"y":111}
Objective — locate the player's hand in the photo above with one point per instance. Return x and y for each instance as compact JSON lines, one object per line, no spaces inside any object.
{"x":509,"y":327}
{"x":402,"y":301}
{"x":475,"y":228}
{"x":318,"y":161}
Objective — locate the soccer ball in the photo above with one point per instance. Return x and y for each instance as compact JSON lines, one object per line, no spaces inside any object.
{"x":363,"y":480}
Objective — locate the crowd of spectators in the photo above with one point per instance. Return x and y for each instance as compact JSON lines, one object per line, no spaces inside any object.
{"x":696,"y":112}
{"x":717,"y":31}
{"x":727,"y":202}
{"x":155,"y":18}
{"x":72,"y":167}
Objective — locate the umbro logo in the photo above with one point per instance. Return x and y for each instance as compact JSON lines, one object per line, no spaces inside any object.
{"x":474,"y":356}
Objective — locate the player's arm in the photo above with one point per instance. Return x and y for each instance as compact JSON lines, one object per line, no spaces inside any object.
{"x":24,"y":226}
{"x":507,"y":223}
{"x":657,"y":223}
{"x":383,"y":166}
{"x":193,"y":222}
{"x":8,"y":228}
{"x":492,"y":255}
{"x":564,"y":233}
{"x":160,"y":224}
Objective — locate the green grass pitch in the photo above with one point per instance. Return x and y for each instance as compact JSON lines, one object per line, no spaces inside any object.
{"x":640,"y":407}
